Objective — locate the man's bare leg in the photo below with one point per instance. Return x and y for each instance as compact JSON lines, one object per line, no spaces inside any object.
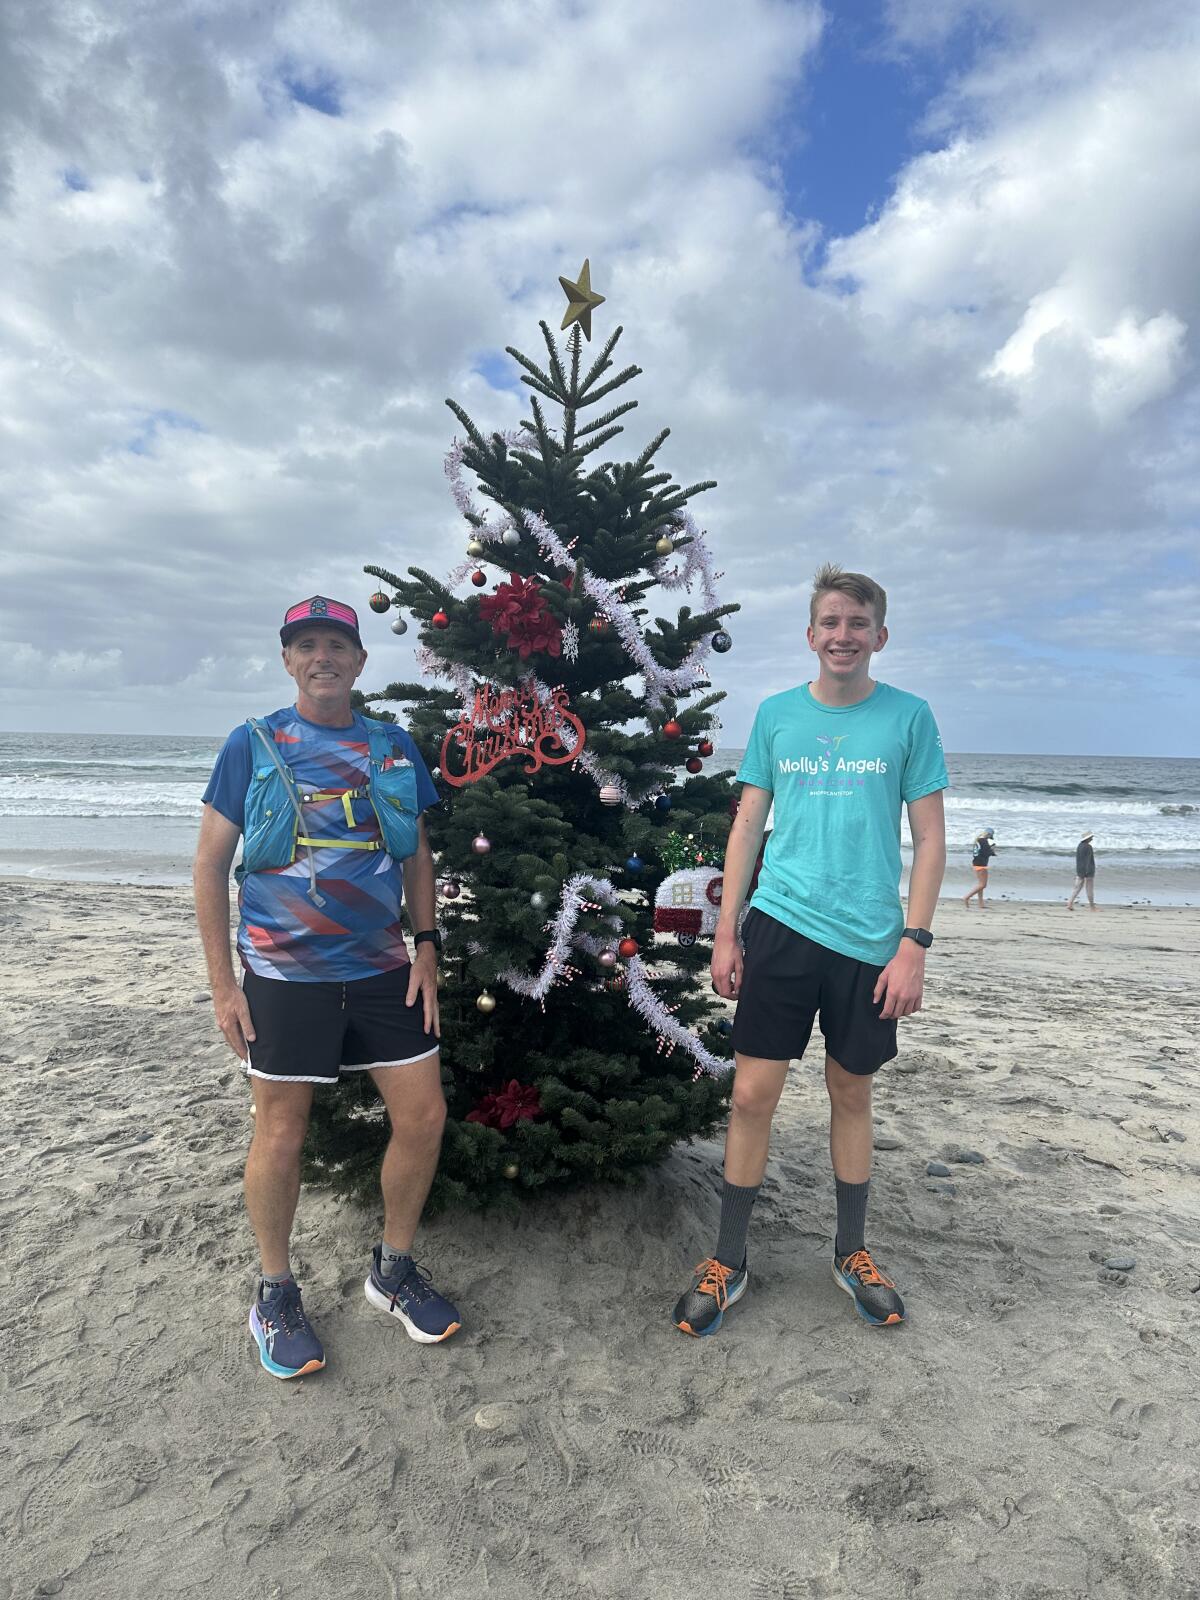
{"x":272,"y":1181}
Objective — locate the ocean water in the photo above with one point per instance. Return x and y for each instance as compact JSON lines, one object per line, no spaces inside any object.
{"x":126,"y":807}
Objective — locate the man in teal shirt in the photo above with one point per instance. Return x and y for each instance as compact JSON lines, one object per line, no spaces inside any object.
{"x":825,"y":935}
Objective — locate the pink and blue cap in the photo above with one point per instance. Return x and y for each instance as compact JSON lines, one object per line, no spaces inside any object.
{"x":318,"y":611}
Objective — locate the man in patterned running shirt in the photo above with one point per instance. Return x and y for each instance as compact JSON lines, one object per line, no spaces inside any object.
{"x":328,"y":806}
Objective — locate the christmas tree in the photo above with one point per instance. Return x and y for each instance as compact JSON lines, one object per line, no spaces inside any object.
{"x":567,"y":730}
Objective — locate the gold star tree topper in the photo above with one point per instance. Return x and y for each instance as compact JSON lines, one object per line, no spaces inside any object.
{"x":582,"y":301}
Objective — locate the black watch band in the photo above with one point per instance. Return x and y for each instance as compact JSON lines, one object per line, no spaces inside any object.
{"x":921,"y":936}
{"x":430,"y":936}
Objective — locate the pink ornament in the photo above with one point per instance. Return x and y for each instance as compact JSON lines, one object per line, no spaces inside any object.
{"x":450,"y":890}
{"x":610,"y":795}
{"x":607,"y":958}
{"x":481,"y":844}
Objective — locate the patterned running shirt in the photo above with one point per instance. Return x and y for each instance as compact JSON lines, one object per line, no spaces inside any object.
{"x":357,"y":932}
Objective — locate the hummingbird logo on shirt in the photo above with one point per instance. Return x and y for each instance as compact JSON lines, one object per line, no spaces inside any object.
{"x":831,"y":741}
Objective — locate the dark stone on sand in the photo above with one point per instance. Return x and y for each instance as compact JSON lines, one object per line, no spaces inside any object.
{"x":49,"y":1586}
{"x":887,"y":1141}
{"x":1120,"y":1263}
{"x":966,"y":1158}
{"x":201,"y":999}
{"x":948,"y":1189}
{"x":937,"y":1169}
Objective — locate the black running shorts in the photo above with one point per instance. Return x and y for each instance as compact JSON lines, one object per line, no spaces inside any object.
{"x":312,"y":1032}
{"x":787,"y":980}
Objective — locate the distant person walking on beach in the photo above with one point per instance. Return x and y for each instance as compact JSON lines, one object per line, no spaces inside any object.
{"x":328,"y":804}
{"x":982,"y":852}
{"x":825,"y":934}
{"x":1085,"y":871}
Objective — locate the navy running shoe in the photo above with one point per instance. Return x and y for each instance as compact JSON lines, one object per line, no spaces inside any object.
{"x":287,"y":1345}
{"x":875,"y":1297}
{"x":428,"y":1316}
{"x":701,"y":1310}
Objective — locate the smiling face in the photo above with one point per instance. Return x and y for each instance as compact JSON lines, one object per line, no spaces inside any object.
{"x":844,"y":635}
{"x":325,"y":662}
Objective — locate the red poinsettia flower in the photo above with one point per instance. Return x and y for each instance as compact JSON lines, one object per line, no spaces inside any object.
{"x":514,"y":1103}
{"x":518,"y":610}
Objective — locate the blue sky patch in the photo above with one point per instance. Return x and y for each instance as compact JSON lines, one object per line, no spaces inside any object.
{"x":153,"y":424}
{"x":498,"y":369}
{"x":316,"y":88}
{"x":74,"y":179}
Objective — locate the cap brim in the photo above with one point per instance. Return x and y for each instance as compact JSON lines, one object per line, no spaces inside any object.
{"x":291,"y":629}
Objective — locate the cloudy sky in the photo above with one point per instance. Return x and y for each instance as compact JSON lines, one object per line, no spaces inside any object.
{"x":915,"y":280}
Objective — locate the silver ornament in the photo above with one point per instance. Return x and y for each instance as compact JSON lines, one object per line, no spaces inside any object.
{"x":481,"y":844}
{"x":399,"y":626}
{"x":537,"y":900}
{"x":610,"y":795}
{"x":511,"y":538}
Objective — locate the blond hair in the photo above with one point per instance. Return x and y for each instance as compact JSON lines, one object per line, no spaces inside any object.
{"x":856,"y":584}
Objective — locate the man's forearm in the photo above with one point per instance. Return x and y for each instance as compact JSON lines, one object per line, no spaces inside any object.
{"x":419,"y":891}
{"x":741,"y":853}
{"x":924,"y":882}
{"x":212,"y":917}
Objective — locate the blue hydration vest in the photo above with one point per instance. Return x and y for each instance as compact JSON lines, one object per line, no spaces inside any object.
{"x":274,"y":819}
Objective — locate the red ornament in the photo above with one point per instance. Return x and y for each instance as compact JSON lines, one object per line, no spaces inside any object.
{"x":514,"y":1103}
{"x":628,"y":947}
{"x":597,"y":625}
{"x":478,"y":578}
{"x":694,"y":764}
{"x":705,"y":747}
{"x":672,"y":730}
{"x":518,"y":610}
{"x":440,"y":619}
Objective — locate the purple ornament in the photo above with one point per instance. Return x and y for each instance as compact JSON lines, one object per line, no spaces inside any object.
{"x":481,"y":844}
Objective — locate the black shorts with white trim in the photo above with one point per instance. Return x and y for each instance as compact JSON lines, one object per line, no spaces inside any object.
{"x":313,"y":1032}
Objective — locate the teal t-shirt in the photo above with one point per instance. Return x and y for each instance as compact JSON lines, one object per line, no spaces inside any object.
{"x":839,"y":775}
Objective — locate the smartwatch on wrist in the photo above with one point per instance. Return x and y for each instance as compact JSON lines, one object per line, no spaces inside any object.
{"x":430,"y":936}
{"x":921,"y":936}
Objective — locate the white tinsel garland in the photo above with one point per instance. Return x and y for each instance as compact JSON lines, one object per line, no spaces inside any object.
{"x":563,"y":934}
{"x":647,"y":1004}
{"x":557,"y":968}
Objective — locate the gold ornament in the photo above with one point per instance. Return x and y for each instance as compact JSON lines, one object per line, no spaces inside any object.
{"x":512,"y":1170}
{"x":486,"y":1003}
{"x":664,"y":547}
{"x":582,"y":300}
{"x":475,"y":549}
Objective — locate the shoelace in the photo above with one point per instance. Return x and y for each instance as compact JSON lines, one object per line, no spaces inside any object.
{"x":714,"y":1280}
{"x":287,"y":1313}
{"x":860,"y":1266}
{"x":416,"y":1284}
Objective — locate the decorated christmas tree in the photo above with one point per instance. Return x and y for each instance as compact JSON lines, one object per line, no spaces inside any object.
{"x":567,"y":727}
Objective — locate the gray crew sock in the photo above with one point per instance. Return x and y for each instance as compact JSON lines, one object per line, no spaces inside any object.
{"x":393,"y":1263}
{"x":275,"y":1280}
{"x":851,"y":1216}
{"x":737,"y":1202}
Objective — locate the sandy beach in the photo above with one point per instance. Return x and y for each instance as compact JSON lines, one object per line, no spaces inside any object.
{"x":1029,"y":1433}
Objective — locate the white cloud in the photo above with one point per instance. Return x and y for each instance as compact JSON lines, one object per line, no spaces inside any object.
{"x":225,"y":357}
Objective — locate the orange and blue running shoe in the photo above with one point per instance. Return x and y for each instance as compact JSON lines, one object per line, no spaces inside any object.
{"x":875,"y":1297}
{"x":288,"y":1346}
{"x":701,"y":1310}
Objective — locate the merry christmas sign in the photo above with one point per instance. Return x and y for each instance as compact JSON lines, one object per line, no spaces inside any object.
{"x":543,"y":732}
